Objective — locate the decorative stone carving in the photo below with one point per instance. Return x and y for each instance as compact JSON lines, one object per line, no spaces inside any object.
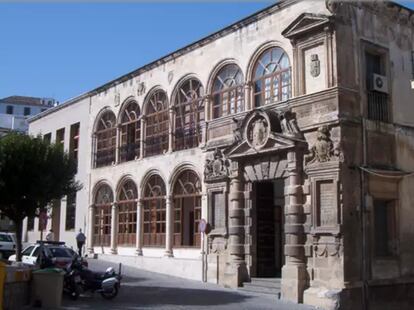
{"x":141,"y":89}
{"x":323,"y":150}
{"x":325,"y":250}
{"x":315,"y":69}
{"x":289,"y":124}
{"x":117,"y":99}
{"x":259,"y":132}
{"x":237,"y":132}
{"x":216,"y":168}
{"x":170,"y":76}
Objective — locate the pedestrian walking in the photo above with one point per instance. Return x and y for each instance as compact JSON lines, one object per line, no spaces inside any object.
{"x":50,"y":236}
{"x":80,"y":240}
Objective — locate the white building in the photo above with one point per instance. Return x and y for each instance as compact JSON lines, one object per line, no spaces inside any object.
{"x":15,"y":110}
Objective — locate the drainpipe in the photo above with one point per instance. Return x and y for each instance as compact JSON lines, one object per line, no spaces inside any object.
{"x":365,"y":302}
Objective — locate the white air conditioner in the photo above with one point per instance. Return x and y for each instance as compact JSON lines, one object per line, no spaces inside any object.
{"x":380,"y":83}
{"x":412,"y":84}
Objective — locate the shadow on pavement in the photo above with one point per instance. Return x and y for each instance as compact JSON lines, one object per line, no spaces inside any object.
{"x":153,"y":296}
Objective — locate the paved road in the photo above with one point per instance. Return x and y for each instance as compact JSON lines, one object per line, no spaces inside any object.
{"x":146,"y":290}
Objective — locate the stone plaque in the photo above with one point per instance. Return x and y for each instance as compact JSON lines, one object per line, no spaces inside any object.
{"x":327,"y":212}
{"x":218,"y":210}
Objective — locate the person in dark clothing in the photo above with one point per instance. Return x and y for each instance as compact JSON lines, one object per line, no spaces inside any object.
{"x":80,"y":240}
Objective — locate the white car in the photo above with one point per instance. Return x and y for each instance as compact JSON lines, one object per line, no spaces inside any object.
{"x":60,"y":254}
{"x":7,"y":244}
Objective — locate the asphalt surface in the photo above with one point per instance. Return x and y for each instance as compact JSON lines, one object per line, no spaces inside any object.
{"x":147,"y":290}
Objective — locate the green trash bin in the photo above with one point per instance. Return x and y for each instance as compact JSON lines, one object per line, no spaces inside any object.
{"x":47,"y":287}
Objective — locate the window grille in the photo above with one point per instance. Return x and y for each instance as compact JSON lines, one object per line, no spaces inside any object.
{"x":228,"y":91}
{"x":272,"y":77}
{"x":189,"y":115}
{"x":154,"y":212}
{"x":187,"y":209}
{"x":130,"y":139}
{"x":157,"y":124}
{"x":127,"y":214}
{"x":105,"y":140}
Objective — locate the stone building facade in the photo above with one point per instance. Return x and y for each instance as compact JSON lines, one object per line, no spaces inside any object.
{"x":287,"y":137}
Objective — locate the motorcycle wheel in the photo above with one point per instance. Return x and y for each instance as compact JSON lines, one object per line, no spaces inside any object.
{"x":110,"y":295}
{"x":75,"y":292}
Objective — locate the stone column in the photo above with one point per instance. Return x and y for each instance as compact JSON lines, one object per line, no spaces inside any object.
{"x":169,"y":229}
{"x":117,"y":142}
{"x":140,"y":206}
{"x":294,"y":270}
{"x":236,"y":272}
{"x":89,"y":238}
{"x":142,"y":137}
{"x":171,"y":126}
{"x":114,"y":228}
{"x":248,"y":96}
{"x":24,"y":230}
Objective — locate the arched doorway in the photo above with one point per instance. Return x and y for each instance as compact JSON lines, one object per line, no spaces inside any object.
{"x":127,"y":213}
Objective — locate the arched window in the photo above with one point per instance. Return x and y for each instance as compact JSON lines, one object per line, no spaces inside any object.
{"x":156,"y":141}
{"x":228,"y":92}
{"x":154,"y":212}
{"x":189,"y":114}
{"x":187,"y":209}
{"x":102,"y":218}
{"x":272,"y":77}
{"x":127,"y":214}
{"x":130,"y":132}
{"x":105,"y":136}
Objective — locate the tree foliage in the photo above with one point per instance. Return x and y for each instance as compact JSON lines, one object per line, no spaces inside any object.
{"x":32,"y":174}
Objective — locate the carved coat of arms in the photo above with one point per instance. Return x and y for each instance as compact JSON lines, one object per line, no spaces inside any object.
{"x":217,"y":167}
{"x":259,"y":132}
{"x":315,"y":65}
{"x":323,"y":150}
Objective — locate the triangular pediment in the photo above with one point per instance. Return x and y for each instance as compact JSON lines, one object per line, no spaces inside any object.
{"x":275,"y":142}
{"x":306,"y":22}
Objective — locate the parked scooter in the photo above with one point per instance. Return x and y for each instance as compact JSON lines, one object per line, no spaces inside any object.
{"x":72,"y":281}
{"x":107,"y":283}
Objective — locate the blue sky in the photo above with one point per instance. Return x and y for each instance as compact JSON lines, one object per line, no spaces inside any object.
{"x":62,"y":50}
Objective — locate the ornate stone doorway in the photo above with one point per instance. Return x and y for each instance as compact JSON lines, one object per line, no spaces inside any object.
{"x":268,"y":226}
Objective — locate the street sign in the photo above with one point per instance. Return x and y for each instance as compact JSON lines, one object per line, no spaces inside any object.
{"x":203,"y":226}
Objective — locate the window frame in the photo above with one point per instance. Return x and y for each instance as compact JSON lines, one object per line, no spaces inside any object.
{"x":130,"y":133}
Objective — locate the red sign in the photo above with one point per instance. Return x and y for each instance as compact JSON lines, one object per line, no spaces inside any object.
{"x":42,"y":220}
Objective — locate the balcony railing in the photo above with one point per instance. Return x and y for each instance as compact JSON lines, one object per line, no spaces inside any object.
{"x":377,"y":106}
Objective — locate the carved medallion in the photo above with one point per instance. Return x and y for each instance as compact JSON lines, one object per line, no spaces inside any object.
{"x":117,"y":99}
{"x":170,"y":76}
{"x":315,"y":65}
{"x":257,"y":132}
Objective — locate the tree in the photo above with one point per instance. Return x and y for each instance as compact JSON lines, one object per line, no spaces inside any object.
{"x":33,"y":173}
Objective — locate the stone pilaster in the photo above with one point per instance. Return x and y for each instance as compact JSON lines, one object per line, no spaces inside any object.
{"x":236,"y":271}
{"x":89,"y":239}
{"x":294,"y":270}
{"x":114,"y":228}
{"x":248,"y":96}
{"x":169,"y":226}
{"x":140,"y":205}
{"x":117,"y":144}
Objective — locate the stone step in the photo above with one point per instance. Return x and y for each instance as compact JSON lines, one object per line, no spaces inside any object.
{"x":274,"y":292}
{"x":266,"y":282}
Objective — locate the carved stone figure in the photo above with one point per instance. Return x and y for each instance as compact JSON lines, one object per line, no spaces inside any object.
{"x":237,"y":132}
{"x":289,"y":124}
{"x":323,"y":150}
{"x":315,"y":65}
{"x":217,"y":167}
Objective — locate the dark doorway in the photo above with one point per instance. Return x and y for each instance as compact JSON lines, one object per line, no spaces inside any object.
{"x":268,"y":231}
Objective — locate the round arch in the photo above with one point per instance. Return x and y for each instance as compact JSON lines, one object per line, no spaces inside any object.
{"x":217,"y":67}
{"x":124,"y":105}
{"x":102,"y":216}
{"x":127,"y":196}
{"x":151,"y":92}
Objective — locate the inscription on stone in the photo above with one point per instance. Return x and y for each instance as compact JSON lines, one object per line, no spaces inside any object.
{"x":327,"y":208}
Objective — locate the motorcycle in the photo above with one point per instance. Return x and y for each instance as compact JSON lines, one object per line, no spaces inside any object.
{"x":106,"y":283}
{"x":72,"y":282}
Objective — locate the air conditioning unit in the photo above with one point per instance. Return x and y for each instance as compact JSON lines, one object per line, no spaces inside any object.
{"x":412,"y":84}
{"x":379,"y":83}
